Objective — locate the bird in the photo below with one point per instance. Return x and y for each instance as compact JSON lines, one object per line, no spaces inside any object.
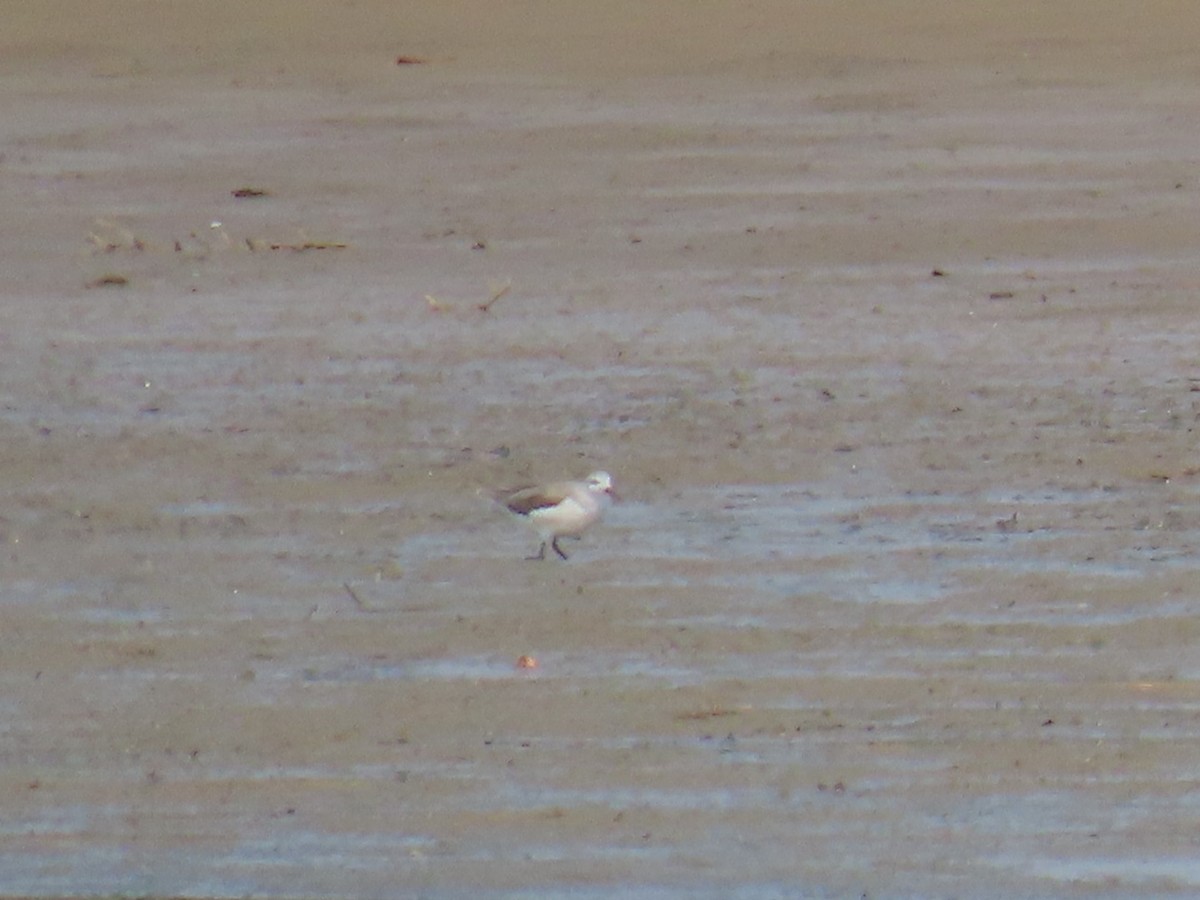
{"x":562,"y":508}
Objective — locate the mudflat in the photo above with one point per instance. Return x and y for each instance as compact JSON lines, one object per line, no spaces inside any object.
{"x":883,"y":317}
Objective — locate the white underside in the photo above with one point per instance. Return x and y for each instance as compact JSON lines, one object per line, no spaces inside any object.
{"x":568,"y":518}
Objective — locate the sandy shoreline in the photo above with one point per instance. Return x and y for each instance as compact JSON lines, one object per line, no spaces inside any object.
{"x":1105,"y":42}
{"x":884,"y":325}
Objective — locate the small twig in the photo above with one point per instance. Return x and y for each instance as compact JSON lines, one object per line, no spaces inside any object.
{"x":357,"y":600}
{"x":496,"y":295}
{"x":302,"y":246}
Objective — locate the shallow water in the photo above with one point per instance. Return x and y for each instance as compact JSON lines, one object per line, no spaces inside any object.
{"x":758,"y":667}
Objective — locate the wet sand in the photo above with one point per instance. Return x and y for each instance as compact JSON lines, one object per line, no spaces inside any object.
{"x":884,"y":323}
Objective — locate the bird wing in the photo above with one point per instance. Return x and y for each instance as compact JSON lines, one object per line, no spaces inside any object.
{"x":535,"y":498}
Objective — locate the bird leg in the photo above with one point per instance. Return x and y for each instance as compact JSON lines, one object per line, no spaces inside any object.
{"x":557,"y":549}
{"x":541,"y":554}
